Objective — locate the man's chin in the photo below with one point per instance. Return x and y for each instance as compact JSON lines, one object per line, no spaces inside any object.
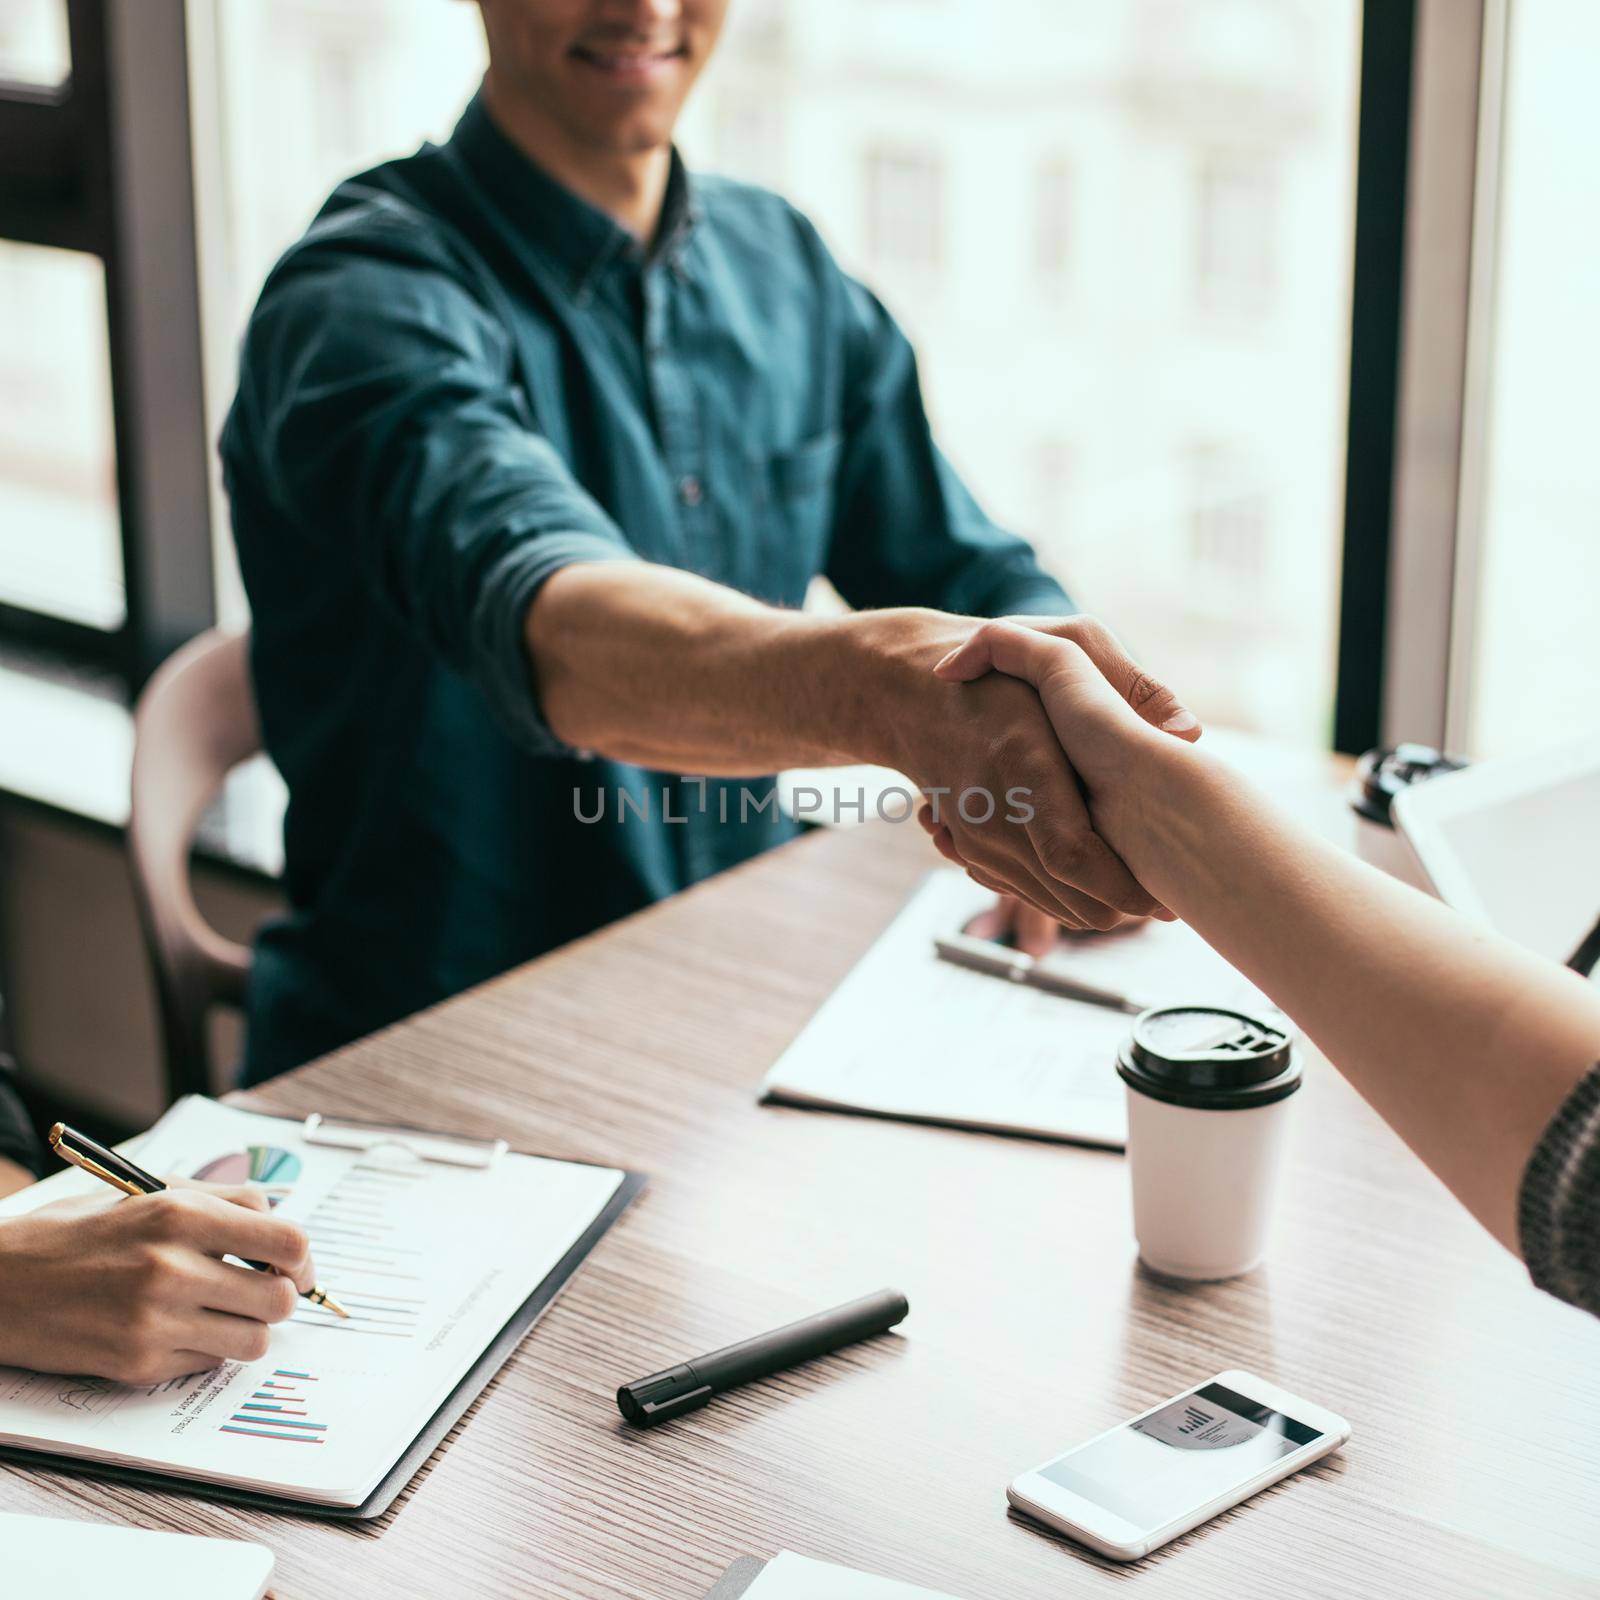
{"x":632,"y":136}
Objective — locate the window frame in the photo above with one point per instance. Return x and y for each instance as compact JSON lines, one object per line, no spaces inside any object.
{"x":101,"y":164}
{"x":1427,"y":208}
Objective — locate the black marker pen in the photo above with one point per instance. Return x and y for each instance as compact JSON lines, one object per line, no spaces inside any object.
{"x":689,"y":1385}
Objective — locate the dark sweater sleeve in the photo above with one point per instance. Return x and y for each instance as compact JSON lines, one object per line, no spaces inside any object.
{"x":1558,"y":1215}
{"x":17,"y":1141}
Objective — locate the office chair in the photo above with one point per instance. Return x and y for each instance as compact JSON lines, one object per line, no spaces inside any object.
{"x":194,"y":723}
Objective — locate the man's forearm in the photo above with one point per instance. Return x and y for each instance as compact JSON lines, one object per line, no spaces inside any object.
{"x":1464,"y":1042}
{"x":664,"y":669}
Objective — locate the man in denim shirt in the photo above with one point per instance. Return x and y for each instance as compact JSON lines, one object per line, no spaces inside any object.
{"x":538,"y":442}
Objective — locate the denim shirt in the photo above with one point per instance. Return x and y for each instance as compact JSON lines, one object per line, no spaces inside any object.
{"x":462,"y":378}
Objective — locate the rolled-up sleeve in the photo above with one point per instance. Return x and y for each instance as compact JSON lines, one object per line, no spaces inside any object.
{"x":1558,"y":1218}
{"x":380,"y":409}
{"x":907,"y":530}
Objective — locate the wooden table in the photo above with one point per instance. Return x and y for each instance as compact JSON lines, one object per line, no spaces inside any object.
{"x":1475,"y":1466}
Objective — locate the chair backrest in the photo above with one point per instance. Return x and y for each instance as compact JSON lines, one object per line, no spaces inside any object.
{"x":194,"y":723}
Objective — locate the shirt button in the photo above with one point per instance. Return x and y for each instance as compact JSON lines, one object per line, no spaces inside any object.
{"x":689,"y":491}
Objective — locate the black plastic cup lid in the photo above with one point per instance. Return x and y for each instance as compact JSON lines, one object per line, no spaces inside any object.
{"x":1382,"y":774}
{"x":1209,"y":1058}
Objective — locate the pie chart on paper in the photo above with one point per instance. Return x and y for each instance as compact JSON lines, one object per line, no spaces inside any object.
{"x":256,"y":1163}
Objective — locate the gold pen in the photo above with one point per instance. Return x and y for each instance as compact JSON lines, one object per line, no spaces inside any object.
{"x":99,"y":1162}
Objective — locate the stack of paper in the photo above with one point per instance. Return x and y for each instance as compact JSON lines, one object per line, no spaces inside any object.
{"x":908,"y":1035}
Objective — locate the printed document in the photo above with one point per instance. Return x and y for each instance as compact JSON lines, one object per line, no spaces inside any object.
{"x":430,"y":1260}
{"x":911,"y":1036}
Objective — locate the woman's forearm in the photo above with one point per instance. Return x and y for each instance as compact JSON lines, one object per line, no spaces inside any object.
{"x":1464,"y":1042}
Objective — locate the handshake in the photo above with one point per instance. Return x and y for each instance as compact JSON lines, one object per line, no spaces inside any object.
{"x":1027,"y":738}
{"x":1027,"y":749}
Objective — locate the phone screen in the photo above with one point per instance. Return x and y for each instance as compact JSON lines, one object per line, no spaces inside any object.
{"x":1167,"y":1464}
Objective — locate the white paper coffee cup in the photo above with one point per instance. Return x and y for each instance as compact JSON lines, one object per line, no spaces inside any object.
{"x":1209,"y":1096}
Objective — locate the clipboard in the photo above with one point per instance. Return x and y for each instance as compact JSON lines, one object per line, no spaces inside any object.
{"x":738,"y":1578}
{"x":473,"y":1383}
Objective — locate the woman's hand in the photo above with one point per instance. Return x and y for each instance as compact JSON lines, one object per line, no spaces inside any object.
{"x":137,"y":1289}
{"x":1102,"y":735}
{"x":13,"y":1177}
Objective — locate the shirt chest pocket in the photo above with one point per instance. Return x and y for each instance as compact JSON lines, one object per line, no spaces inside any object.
{"x":797,"y":491}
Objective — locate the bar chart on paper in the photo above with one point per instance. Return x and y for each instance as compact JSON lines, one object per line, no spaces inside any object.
{"x":409,"y":1248}
{"x":280,"y":1407}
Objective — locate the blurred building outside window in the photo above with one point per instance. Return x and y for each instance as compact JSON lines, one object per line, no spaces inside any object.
{"x":1053,"y":226}
{"x":905,"y":208}
{"x":1053,"y":481}
{"x":1228,"y":527}
{"x":1237,"y":225}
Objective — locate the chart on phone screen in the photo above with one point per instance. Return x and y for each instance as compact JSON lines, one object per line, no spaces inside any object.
{"x":1196,"y":1424}
{"x":412,"y":1250}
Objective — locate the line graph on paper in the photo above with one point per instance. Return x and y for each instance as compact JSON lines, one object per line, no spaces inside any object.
{"x":366,"y":1246}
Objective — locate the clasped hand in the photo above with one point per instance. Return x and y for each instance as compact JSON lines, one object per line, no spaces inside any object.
{"x":1040,"y":747}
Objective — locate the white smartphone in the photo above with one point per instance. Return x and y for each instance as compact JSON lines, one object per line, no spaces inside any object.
{"x":1134,"y":1487}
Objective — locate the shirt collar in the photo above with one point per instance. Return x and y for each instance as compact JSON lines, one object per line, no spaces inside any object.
{"x":579,"y":236}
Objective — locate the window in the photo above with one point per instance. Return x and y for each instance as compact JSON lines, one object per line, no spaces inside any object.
{"x":1529,"y":654}
{"x":60,"y":548}
{"x":905,"y":208}
{"x":1236,"y":223}
{"x":1052,"y":225}
{"x":1092,"y":162}
{"x":33,"y":43}
{"x":104,"y":553}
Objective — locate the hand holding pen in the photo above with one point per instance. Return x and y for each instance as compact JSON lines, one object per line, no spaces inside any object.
{"x":140,"y":1292}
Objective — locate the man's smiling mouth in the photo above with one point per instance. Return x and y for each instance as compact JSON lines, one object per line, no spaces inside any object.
{"x":628,"y":61}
